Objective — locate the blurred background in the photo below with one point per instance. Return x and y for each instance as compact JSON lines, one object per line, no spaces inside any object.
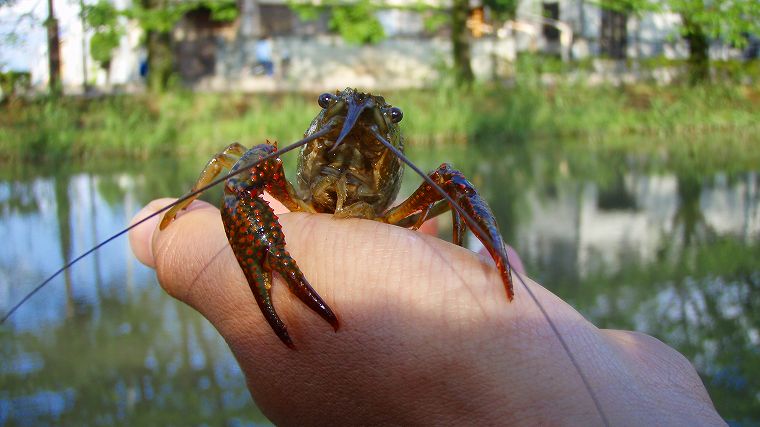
{"x":616,"y":140}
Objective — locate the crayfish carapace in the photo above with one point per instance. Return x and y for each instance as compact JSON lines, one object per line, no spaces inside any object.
{"x":350,"y":165}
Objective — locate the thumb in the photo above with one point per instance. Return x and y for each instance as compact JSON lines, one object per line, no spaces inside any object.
{"x":193,"y":261}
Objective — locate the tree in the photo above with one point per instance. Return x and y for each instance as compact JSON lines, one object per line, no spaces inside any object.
{"x":729,"y":20}
{"x":456,"y":17}
{"x":732,"y":21}
{"x":355,"y":22}
{"x":157,"y":18}
{"x":460,"y":35}
{"x":103,"y":18}
{"x":460,"y":42}
{"x":54,"y":50}
{"x":502,"y":10}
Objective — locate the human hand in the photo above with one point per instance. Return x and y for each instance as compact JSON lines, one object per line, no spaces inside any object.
{"x":427,"y":335}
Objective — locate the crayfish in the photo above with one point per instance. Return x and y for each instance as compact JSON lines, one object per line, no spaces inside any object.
{"x":351,"y":164}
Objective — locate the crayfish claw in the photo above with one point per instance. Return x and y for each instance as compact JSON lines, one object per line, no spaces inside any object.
{"x":260,"y":283}
{"x":283,"y":263}
{"x":258,"y":243}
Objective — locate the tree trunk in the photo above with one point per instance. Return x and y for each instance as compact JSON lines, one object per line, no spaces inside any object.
{"x":82,"y":20}
{"x":160,"y":60}
{"x":160,"y":55}
{"x":460,"y":41}
{"x":699,"y":57}
{"x":54,"y":51}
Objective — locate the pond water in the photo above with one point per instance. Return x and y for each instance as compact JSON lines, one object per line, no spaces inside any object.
{"x":642,"y":242}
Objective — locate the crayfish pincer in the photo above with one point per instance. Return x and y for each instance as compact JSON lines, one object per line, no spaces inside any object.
{"x":350,"y":164}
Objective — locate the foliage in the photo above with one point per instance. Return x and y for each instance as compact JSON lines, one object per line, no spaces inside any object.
{"x":103,"y":18}
{"x":102,"y":45}
{"x":11,"y":81}
{"x":628,"y":6}
{"x":157,"y":18}
{"x":306,"y":11}
{"x":460,"y":43}
{"x":101,"y":14}
{"x":163,"y":16}
{"x":729,"y":20}
{"x":355,"y":22}
{"x":502,"y":9}
{"x":434,"y":20}
{"x":222,"y":11}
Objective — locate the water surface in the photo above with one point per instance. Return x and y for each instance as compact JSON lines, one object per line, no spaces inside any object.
{"x":642,"y":242}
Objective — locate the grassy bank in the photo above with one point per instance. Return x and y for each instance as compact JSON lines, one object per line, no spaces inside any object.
{"x":139,"y":126}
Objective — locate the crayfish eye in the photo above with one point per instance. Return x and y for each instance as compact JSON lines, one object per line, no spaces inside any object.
{"x":396,"y":115}
{"x":324,"y":99}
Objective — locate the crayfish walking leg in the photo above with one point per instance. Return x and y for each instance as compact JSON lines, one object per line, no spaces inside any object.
{"x":426,"y":202}
{"x":225,"y":159}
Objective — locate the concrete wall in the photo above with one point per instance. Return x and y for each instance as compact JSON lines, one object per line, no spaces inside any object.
{"x":328,"y":62}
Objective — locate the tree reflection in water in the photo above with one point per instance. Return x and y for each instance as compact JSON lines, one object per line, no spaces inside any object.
{"x":700,"y":294}
{"x":149,"y":361}
{"x":85,"y":351}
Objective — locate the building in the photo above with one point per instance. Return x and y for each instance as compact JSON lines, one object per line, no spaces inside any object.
{"x":307,"y":55}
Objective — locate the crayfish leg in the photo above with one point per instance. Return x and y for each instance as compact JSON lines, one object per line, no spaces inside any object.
{"x":426,"y":201}
{"x":224,"y":159}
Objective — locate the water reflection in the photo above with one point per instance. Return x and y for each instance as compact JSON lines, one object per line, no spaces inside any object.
{"x":671,"y":255}
{"x":104,"y":345}
{"x":598,"y":228}
{"x":631,"y":242}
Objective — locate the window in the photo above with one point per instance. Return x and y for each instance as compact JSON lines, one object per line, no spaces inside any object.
{"x":551,"y":32}
{"x":613,"y":39}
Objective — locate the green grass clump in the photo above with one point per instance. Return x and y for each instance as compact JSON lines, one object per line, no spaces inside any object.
{"x":184,"y":123}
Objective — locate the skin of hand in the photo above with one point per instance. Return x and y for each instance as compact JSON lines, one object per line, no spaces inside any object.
{"x":427,"y":335}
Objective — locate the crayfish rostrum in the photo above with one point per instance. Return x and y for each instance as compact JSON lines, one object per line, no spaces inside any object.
{"x":350,"y":165}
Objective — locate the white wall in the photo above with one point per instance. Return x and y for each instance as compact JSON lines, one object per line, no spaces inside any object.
{"x":325,"y":61}
{"x":328,"y":62}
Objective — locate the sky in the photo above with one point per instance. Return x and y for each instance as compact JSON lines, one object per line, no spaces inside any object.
{"x":23,"y":43}
{"x":22,"y":34}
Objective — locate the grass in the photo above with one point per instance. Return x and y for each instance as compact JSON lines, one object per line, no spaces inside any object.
{"x":139,"y":126}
